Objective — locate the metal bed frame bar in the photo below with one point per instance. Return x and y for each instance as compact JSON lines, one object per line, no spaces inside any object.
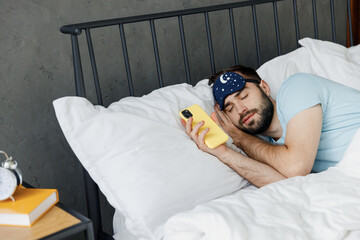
{"x":76,"y":29}
{"x":93,"y":203}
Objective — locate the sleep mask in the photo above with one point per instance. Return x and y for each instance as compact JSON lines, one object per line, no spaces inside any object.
{"x":228,"y":83}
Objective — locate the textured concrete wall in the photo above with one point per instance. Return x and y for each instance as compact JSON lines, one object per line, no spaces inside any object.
{"x":36,"y":68}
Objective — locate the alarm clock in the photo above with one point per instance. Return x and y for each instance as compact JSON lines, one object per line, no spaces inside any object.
{"x":10,"y":178}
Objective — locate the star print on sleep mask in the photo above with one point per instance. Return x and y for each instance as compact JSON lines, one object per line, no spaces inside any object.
{"x":227,"y":84}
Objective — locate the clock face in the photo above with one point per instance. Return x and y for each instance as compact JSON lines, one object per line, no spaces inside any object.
{"x":7,"y":183}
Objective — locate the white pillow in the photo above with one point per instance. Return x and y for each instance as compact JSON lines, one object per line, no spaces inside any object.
{"x":323,"y":58}
{"x":350,"y":160}
{"x":275,"y":71}
{"x":334,"y":61}
{"x":138,"y":153}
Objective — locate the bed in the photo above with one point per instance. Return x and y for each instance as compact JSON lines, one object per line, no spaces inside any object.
{"x":136,"y":152}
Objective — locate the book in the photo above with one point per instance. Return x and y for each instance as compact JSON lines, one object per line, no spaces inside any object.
{"x":29,"y":205}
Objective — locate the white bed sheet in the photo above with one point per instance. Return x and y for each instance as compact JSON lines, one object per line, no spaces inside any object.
{"x":325,"y":205}
{"x":119,"y":226}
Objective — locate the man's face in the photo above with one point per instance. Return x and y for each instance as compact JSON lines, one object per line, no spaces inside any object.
{"x":250,"y":109}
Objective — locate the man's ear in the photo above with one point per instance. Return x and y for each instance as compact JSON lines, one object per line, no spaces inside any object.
{"x":265,"y":87}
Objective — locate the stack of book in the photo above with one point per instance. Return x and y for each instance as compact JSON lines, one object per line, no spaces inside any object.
{"x":29,"y":205}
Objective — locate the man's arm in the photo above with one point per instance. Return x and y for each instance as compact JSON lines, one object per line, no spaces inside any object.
{"x":297,"y":155}
{"x":255,"y":172}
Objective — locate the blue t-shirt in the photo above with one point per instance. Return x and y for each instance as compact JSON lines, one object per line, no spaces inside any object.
{"x":341,"y":113}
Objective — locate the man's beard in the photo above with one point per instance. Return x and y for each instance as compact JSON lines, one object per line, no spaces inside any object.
{"x":266,"y":113}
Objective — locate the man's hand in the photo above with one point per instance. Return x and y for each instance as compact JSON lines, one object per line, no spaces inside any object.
{"x":199,"y":138}
{"x":257,"y":173}
{"x":226,"y":124}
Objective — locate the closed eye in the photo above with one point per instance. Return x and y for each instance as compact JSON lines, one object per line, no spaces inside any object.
{"x":229,"y":108}
{"x":243,"y":97}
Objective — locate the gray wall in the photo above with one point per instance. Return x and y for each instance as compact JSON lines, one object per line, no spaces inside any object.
{"x":36,"y":68}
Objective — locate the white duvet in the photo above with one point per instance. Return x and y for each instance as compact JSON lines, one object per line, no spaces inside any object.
{"x":318,"y":206}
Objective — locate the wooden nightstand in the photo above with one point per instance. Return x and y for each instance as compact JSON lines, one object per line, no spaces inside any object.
{"x":58,"y":223}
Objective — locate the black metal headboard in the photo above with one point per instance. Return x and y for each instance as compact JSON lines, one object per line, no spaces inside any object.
{"x":74,"y":30}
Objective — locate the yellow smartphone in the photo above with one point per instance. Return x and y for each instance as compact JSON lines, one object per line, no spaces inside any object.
{"x":216,"y":136}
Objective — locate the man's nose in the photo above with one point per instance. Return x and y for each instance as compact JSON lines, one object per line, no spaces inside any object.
{"x":241,"y":108}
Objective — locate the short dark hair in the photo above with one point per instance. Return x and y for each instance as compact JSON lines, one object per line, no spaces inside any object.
{"x":247,"y":72}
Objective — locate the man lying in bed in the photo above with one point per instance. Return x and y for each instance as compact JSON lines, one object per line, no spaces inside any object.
{"x":308,"y":127}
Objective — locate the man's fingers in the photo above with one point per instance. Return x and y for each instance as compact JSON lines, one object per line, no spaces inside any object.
{"x":215,"y":118}
{"x":188,"y":126}
{"x":223,"y":119}
{"x":201,"y":138}
{"x":197,"y":137}
{"x":195,"y":131}
{"x":183,"y":122}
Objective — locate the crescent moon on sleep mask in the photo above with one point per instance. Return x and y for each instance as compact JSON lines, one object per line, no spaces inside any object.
{"x":227,"y":84}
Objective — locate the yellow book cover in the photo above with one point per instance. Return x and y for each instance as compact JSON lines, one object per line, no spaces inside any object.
{"x":29,"y":205}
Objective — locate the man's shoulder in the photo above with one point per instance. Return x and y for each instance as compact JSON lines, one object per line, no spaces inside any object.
{"x":301,"y":82}
{"x":299,"y":87}
{"x":302,"y":78}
